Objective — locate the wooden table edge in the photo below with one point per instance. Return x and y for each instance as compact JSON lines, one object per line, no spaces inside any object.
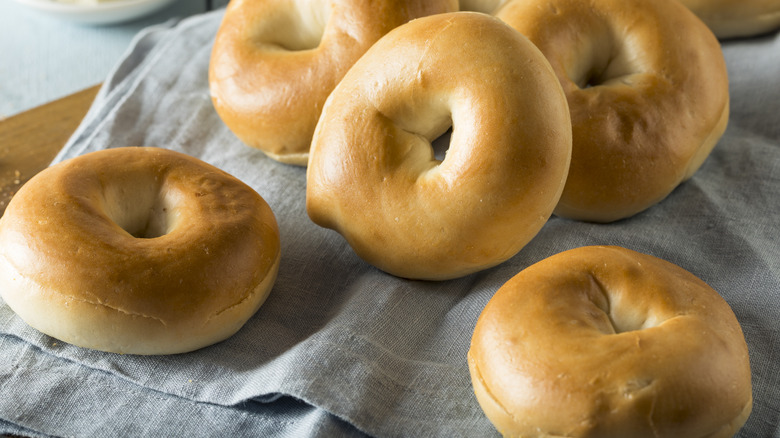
{"x":30,"y":140}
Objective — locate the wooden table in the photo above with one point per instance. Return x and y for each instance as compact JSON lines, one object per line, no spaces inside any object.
{"x":29,"y":141}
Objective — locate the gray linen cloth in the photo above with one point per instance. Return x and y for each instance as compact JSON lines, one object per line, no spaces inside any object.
{"x":343,"y":349}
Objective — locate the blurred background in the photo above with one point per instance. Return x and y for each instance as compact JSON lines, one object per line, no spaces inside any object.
{"x":49,"y":49}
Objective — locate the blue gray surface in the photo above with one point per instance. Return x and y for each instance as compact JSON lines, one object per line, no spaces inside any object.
{"x":43,"y":57}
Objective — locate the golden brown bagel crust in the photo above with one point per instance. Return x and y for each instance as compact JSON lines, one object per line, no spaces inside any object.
{"x":657,"y":105}
{"x":373,"y":175}
{"x":274,"y":62}
{"x":737,"y":18}
{"x":205,"y":258}
{"x":607,"y":342}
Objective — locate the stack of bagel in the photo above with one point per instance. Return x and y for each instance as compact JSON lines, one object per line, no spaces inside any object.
{"x":591,"y":110}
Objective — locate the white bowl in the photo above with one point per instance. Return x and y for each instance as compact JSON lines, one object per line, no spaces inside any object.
{"x":105,"y":12}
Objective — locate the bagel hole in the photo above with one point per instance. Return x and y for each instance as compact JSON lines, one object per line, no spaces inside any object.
{"x":295,"y":28}
{"x":596,"y":77}
{"x":622,"y":317}
{"x":141,"y":210}
{"x":441,"y":145}
{"x":619,"y":322}
{"x":426,"y":128}
{"x":154,"y":225}
{"x":629,"y":322}
{"x":591,"y":80}
{"x":610,"y":62}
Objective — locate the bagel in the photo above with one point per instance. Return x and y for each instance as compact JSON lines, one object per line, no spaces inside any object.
{"x":274,"y":62}
{"x":647,"y":88}
{"x":373,"y":175}
{"x":737,"y":18}
{"x":608,"y":342}
{"x":137,"y":250}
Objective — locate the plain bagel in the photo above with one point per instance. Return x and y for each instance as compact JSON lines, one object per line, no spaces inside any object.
{"x":647,"y":88}
{"x":274,"y":62}
{"x":137,"y":250}
{"x":608,"y":342}
{"x":373,"y":175}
